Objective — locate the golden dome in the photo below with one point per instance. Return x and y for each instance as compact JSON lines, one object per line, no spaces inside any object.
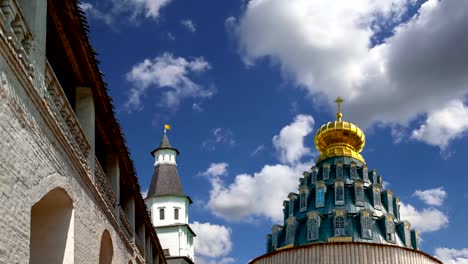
{"x":340,"y":138}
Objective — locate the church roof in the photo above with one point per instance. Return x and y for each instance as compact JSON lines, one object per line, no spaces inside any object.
{"x":165,"y":144}
{"x":165,"y":181}
{"x":340,"y":199}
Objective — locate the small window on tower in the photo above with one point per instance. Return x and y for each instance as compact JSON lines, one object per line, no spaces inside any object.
{"x":377,"y":199}
{"x":366,"y":225}
{"x":314,"y":174}
{"x":339,"y":171}
{"x":339,"y":193}
{"x":365,"y":173}
{"x":176,"y":213}
{"x":290,"y":233}
{"x":313,"y":226}
{"x":326,"y":171}
{"x":353,"y":171}
{"x":320,"y":197}
{"x":161,"y":214}
{"x":291,"y":207}
{"x":340,"y":225}
{"x":359,"y":193}
{"x":303,"y":201}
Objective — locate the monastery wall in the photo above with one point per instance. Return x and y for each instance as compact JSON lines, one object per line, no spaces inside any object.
{"x":33,"y":162}
{"x":57,"y":204}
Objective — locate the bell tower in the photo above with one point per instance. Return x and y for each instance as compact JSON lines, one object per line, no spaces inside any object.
{"x":169,"y":204}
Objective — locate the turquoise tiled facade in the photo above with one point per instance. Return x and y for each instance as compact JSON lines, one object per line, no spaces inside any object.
{"x":341,"y":200}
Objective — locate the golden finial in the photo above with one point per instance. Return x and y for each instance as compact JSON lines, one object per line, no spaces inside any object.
{"x":338,"y":101}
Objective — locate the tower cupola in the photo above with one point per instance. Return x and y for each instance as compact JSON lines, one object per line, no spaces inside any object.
{"x":340,"y":138}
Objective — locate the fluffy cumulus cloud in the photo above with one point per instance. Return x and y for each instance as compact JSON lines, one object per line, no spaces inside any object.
{"x":290,"y":141}
{"x":111,"y":11}
{"x":268,"y":187}
{"x":434,"y":197}
{"x":189,"y":25}
{"x":452,"y":255}
{"x":419,"y":218}
{"x":337,"y":48}
{"x":171,"y":75}
{"x":213,"y":243}
{"x":444,"y":125}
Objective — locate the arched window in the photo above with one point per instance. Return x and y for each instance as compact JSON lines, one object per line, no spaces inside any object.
{"x":106,"y":251}
{"x":291,"y":205}
{"x":290,"y":233}
{"x":339,"y":193}
{"x":161,"y":213}
{"x":389,"y":201}
{"x":314,"y":174}
{"x":52,"y":229}
{"x":326,"y":171}
{"x":305,"y":180}
{"x":366,"y":225}
{"x":303,"y":201}
{"x":176,"y":213}
{"x":353,"y":171}
{"x":390,"y":232}
{"x":340,"y":225}
{"x":359,"y":193}
{"x":374,"y":177}
{"x":275,"y":235}
{"x":313,"y":226}
{"x":365,"y":173}
{"x":320,"y":196}
{"x":377,"y":199}
{"x":339,"y":171}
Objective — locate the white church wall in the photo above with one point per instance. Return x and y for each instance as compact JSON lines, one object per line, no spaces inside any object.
{"x":168,"y":203}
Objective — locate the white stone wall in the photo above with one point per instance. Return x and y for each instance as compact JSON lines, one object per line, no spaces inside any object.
{"x":168,"y":203}
{"x":173,"y":238}
{"x":36,"y":157}
{"x":33,"y":162}
{"x":176,"y":240}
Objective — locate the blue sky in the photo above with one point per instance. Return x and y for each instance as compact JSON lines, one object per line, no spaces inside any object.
{"x":245,"y":85}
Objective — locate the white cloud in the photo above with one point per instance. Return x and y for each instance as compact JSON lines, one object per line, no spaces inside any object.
{"x":224,"y":260}
{"x":330,"y":52}
{"x":257,"y":150}
{"x":216,"y":169}
{"x":212,"y":240}
{"x":144,"y":193}
{"x":452,"y":255}
{"x":189,"y":25}
{"x":112,"y":12}
{"x":419,"y":218}
{"x":94,"y":13}
{"x":290,"y":141}
{"x":219,"y":136}
{"x":169,"y":74}
{"x":432,"y":196}
{"x":443,"y":125}
{"x":268,"y":187}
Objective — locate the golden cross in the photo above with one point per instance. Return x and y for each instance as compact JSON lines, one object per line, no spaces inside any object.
{"x":338,"y":101}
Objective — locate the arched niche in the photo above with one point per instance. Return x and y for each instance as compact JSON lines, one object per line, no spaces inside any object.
{"x":106,"y":251}
{"x":52,"y":229}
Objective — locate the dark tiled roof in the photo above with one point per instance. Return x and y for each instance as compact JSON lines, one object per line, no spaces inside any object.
{"x":165,"y":181}
{"x":165,"y":144}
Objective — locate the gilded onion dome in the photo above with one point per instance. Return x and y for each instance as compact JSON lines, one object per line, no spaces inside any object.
{"x":340,"y":138}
